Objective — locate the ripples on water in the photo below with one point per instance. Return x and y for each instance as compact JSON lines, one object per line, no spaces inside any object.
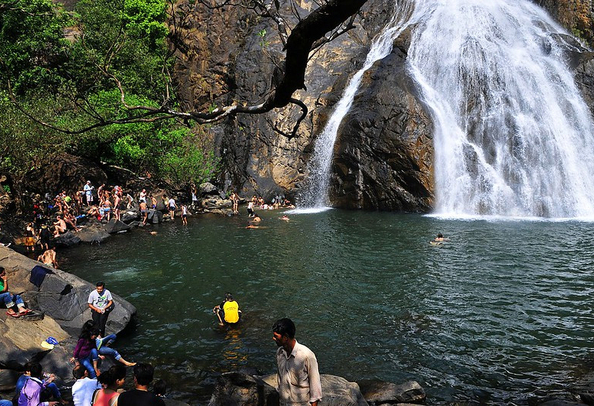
{"x":500,"y":311}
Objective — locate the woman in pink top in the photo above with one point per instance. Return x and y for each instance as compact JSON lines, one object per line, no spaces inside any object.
{"x":111,"y":381}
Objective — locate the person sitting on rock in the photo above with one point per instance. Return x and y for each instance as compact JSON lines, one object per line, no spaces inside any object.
{"x":85,"y":352}
{"x":50,"y":390}
{"x":59,"y":226}
{"x":70,"y":220}
{"x":101,"y":344}
{"x":10,"y":300}
{"x":228,"y":311}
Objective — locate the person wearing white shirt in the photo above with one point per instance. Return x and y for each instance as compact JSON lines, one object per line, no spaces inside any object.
{"x":100,"y":301}
{"x":298,"y":378}
{"x":84,"y":387}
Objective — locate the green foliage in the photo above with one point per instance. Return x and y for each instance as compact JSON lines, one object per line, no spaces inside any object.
{"x":25,"y":144}
{"x":262,"y":34}
{"x":145,"y":18}
{"x":33,"y":44}
{"x":187,"y":162}
{"x":72,"y":83}
{"x":125,"y":39}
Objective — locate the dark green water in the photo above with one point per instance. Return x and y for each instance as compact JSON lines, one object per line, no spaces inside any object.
{"x":502,"y":310}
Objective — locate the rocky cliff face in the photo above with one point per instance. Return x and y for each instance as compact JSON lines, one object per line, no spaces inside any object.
{"x":384,"y":153}
{"x":575,"y":15}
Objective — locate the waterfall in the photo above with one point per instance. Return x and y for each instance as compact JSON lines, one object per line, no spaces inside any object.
{"x":315,"y":193}
{"x":513,"y":137}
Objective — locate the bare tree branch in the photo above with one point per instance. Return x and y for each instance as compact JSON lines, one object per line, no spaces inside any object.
{"x":307,"y":35}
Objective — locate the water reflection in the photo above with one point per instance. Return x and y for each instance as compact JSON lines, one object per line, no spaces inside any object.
{"x":235,"y":352}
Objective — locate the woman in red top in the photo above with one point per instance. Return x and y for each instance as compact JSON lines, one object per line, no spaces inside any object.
{"x":110,"y":381}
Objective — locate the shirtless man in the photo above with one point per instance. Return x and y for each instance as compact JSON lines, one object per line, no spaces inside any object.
{"x":107,"y":208}
{"x":49,"y":258}
{"x":143,"y":211}
{"x":60,"y":226}
{"x":116,"y":205}
{"x":440,"y":238}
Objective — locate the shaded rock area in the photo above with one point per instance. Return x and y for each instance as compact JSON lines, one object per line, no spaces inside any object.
{"x":61,"y":298}
{"x":388,"y":393}
{"x":240,"y":388}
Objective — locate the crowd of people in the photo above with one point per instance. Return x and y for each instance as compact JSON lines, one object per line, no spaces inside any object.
{"x":35,"y":388}
{"x":93,"y":387}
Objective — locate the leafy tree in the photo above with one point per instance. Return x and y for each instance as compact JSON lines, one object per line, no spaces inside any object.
{"x":104,"y":91}
{"x":33,"y":45}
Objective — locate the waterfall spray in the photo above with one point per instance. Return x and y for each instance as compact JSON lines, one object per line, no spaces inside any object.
{"x":513,"y":136}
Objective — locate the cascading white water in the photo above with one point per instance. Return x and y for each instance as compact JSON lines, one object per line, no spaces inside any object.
{"x":315,"y":193}
{"x":513,"y":136}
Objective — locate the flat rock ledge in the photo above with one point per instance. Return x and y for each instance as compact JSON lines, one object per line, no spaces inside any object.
{"x":60,"y":305}
{"x":238,"y":388}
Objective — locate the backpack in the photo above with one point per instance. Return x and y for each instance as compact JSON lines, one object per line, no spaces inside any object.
{"x":31,"y":392}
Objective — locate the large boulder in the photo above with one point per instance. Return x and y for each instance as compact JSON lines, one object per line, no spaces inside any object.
{"x":215,"y":202}
{"x":336,"y":391}
{"x":93,"y":233}
{"x":61,"y":296}
{"x":387,"y":393}
{"x":240,"y":389}
{"x":114,"y":226}
{"x":130,"y":215}
{"x":68,"y":239}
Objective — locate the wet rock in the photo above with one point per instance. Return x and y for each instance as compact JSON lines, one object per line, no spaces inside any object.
{"x":154,"y":216}
{"x":94,"y":233}
{"x":388,"y":393}
{"x":68,"y":239}
{"x":114,"y":226}
{"x":383,"y":156}
{"x":236,"y":388}
{"x":215,"y":202}
{"x":129,"y":216}
{"x":336,"y":391}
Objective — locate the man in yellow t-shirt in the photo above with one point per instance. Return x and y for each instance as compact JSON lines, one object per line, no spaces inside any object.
{"x":228,"y":312}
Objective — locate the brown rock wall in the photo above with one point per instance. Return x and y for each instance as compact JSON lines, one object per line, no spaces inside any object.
{"x":575,"y":15}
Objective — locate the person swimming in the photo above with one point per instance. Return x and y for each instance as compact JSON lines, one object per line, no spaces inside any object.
{"x":440,"y":238}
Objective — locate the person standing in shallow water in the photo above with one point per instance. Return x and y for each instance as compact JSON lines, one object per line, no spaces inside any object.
{"x":227,"y":312}
{"x":299,"y":382}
